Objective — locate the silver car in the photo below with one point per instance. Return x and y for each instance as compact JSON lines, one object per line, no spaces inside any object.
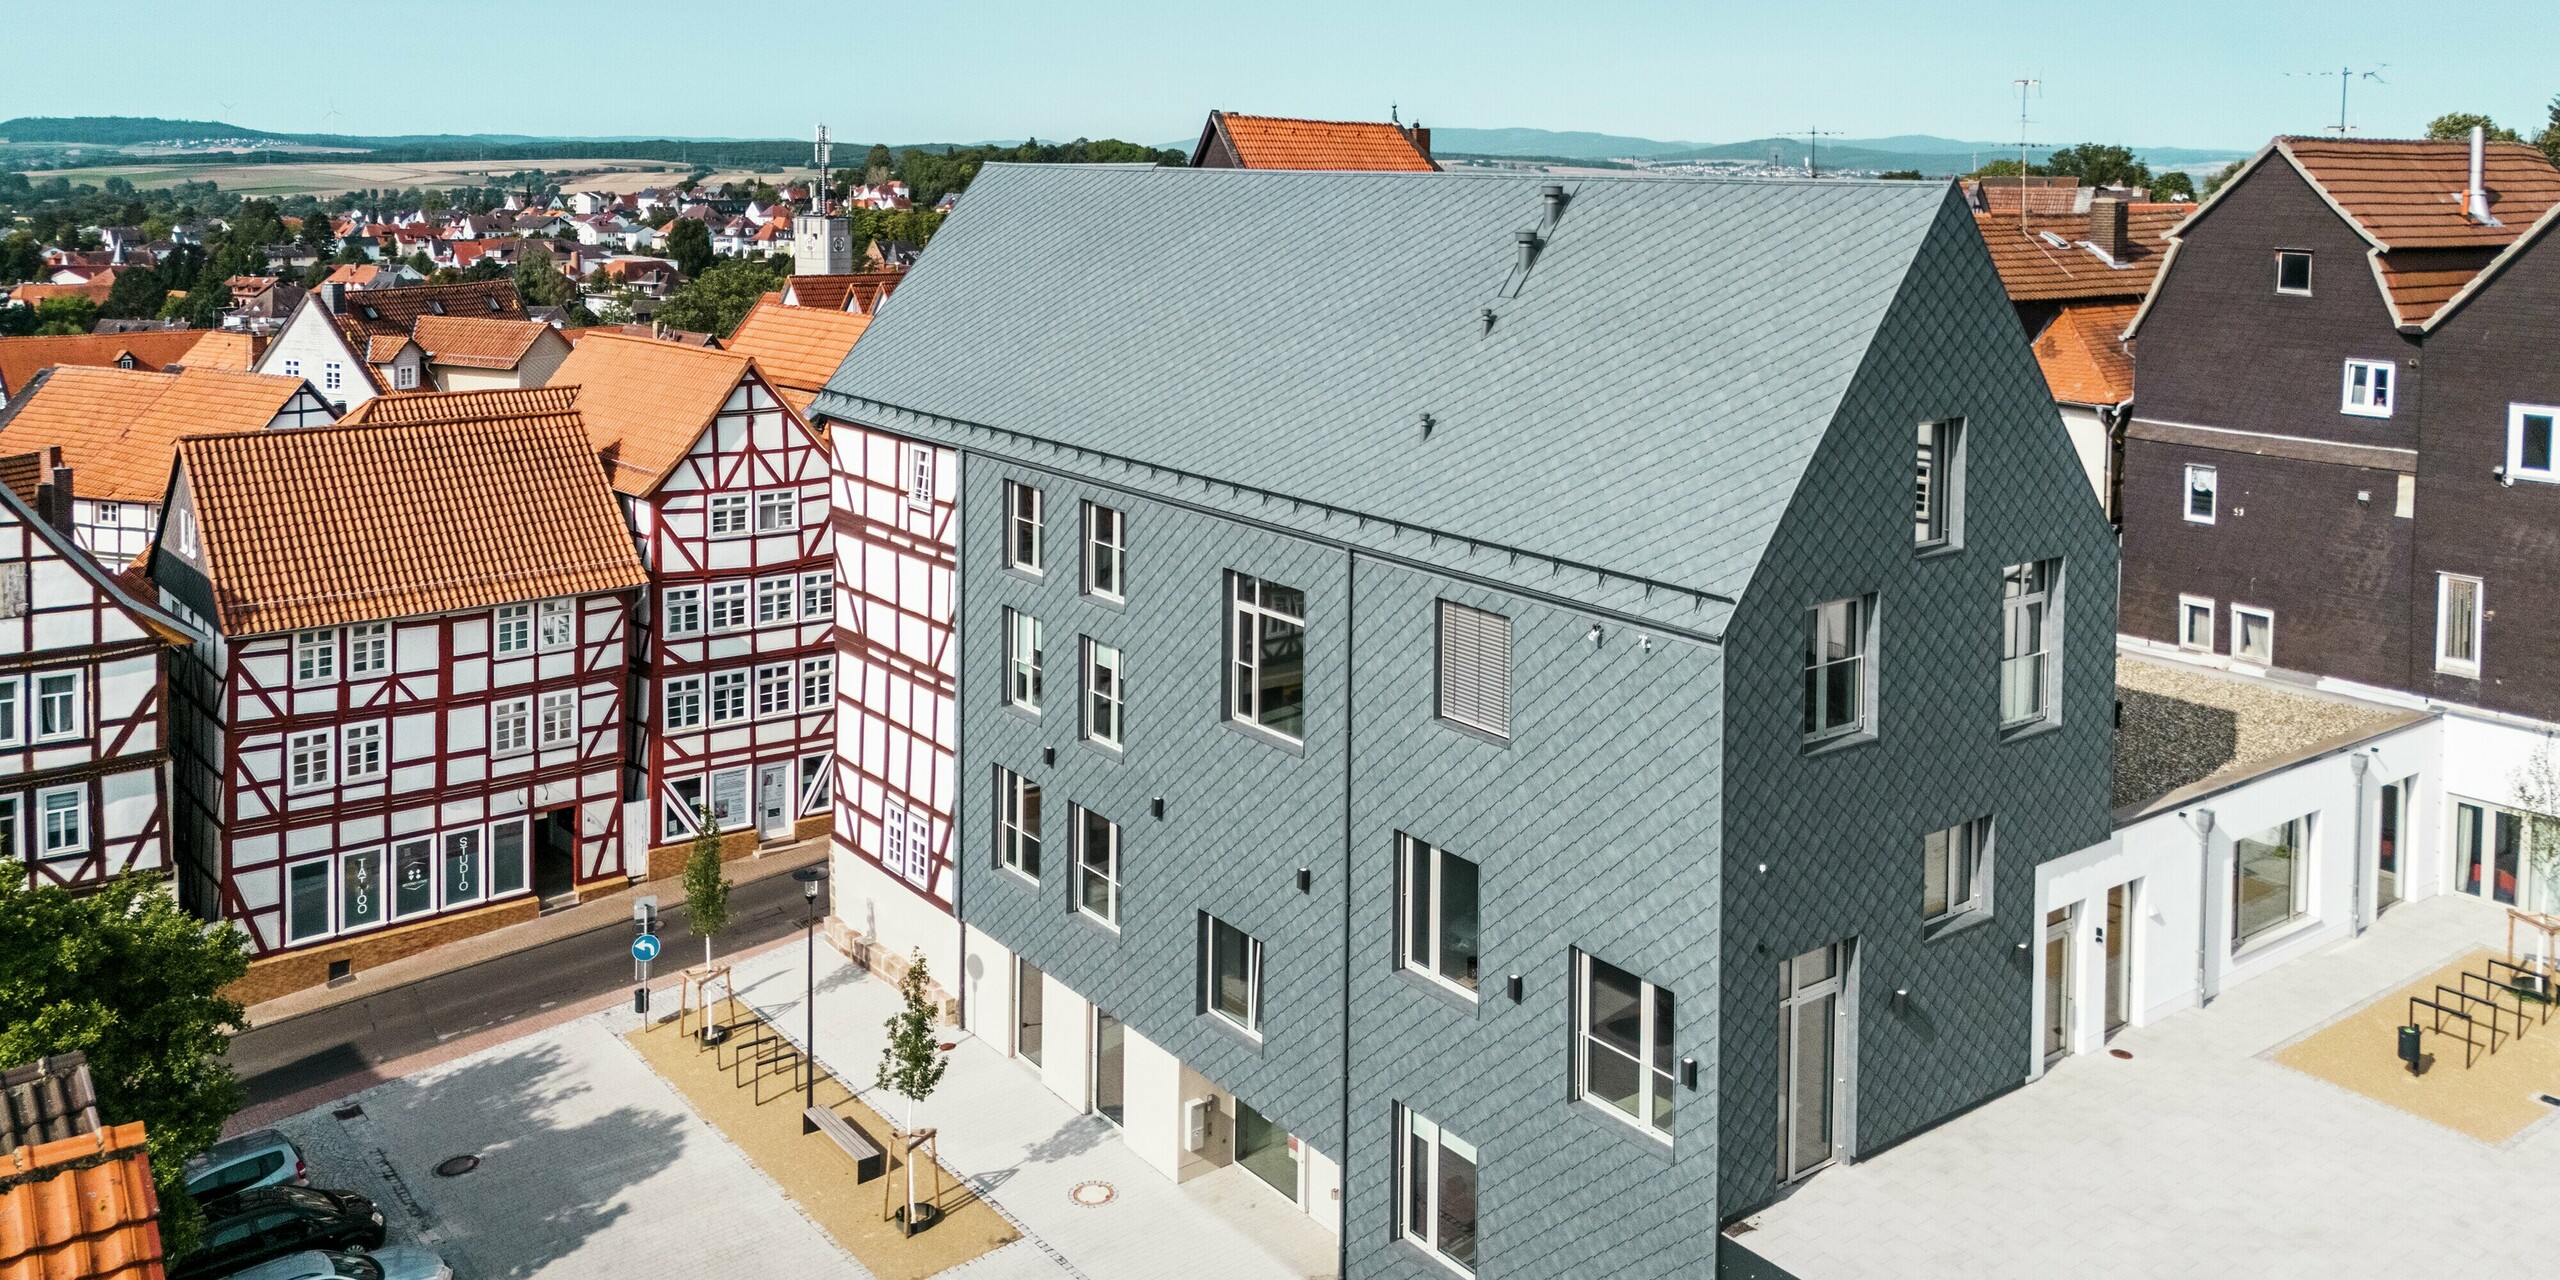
{"x":391,"y":1262}
{"x":265,"y":1158}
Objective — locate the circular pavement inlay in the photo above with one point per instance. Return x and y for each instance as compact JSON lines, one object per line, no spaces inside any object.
{"x":457,"y":1166}
{"x":1092,"y":1195}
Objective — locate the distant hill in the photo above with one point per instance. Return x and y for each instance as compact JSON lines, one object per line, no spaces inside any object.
{"x":121,"y":131}
{"x":1926,"y":153}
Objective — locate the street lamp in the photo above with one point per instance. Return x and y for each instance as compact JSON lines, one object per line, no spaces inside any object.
{"x":810,"y":877}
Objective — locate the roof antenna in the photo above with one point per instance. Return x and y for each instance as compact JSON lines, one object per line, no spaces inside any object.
{"x":2346,"y":76}
{"x":2027,"y":86}
{"x":1392,"y":117}
{"x":1813,"y":140}
{"x":824,"y":150}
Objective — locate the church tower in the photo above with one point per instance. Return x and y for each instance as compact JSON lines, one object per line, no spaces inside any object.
{"x":821,"y":245}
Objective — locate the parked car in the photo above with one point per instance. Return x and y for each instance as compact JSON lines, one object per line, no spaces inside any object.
{"x":261,"y":1159}
{"x":270,"y":1222}
{"x":396,"y":1262}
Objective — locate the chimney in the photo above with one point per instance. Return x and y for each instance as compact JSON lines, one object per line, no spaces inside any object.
{"x":1529,"y":245}
{"x":2107,"y":228}
{"x":53,"y":498}
{"x":1419,"y":136}
{"x":1553,"y":197}
{"x":2477,"y":202}
{"x":333,"y":295}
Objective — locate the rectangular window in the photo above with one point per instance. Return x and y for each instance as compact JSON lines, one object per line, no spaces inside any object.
{"x":2293,"y":271}
{"x":2202,"y":486}
{"x":1022,"y":527}
{"x":2530,"y":450}
{"x":1624,"y":1060}
{"x":920,"y":477}
{"x":1018,"y":824}
{"x":816,"y":789}
{"x":306,"y":900}
{"x":462,"y":870}
{"x":560,"y":718}
{"x":773,"y":689}
{"x":507,"y":847}
{"x":2027,"y":670}
{"x":2253,"y":635}
{"x":308,"y":760}
{"x":1835,"y":668}
{"x":684,"y":611}
{"x":559,"y":623}
{"x":11,"y":849}
{"x":360,"y":889}
{"x":728,"y":606}
{"x":728,"y":697}
{"x":774,"y":599}
{"x":1267,"y":652}
{"x":2368,"y":389}
{"x":64,"y":812}
{"x":413,"y":877}
{"x":1937,"y":471}
{"x":818,"y":595}
{"x":1956,"y":876}
{"x":369,"y":649}
{"x":1436,"y":1198}
{"x":2195,"y":623}
{"x":360,"y":752}
{"x":1475,"y":668}
{"x":683,"y":809}
{"x":13,"y":713}
{"x":1098,"y":867}
{"x":818,"y":682}
{"x":1022,"y":660}
{"x":315,"y":657}
{"x":2270,"y":881}
{"x":57,"y":705}
{"x":514,"y":629}
{"x":404,"y":377}
{"x":2458,"y":624}
{"x":1438,"y":916}
{"x":1103,"y":547}
{"x":1232,"y":964}
{"x":511,"y":726}
{"x":1102,"y":694}
{"x":777,"y":510}
{"x":728,"y":514}
{"x":684,"y":702}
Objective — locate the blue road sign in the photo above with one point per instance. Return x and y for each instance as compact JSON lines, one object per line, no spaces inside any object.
{"x":645,"y":948}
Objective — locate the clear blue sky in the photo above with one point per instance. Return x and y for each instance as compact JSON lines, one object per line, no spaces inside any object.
{"x":2169,"y":72}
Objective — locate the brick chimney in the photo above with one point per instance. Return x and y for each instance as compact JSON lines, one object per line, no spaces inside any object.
{"x":1419,"y":136}
{"x":2108,"y":228}
{"x":333,"y":297}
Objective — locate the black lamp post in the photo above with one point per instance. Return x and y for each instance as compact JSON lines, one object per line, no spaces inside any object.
{"x":810,"y":877}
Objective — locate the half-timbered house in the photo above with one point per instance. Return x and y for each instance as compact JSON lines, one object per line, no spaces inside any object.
{"x":797,"y":348}
{"x":404,"y":718}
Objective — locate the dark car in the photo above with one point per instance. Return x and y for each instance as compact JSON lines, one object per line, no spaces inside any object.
{"x":270,"y":1222}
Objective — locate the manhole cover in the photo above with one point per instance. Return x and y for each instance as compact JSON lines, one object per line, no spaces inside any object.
{"x":457,"y":1166}
{"x":1092,"y":1195}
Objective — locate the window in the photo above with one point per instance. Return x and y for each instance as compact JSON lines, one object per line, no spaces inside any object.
{"x":2027,"y":672}
{"x":1937,"y":474}
{"x":684,"y":702}
{"x":404,"y":377}
{"x":2195,"y":623}
{"x":2293,"y":271}
{"x":773,"y":689}
{"x":818,"y":682}
{"x":369,"y":649}
{"x":511,"y":726}
{"x":1956,"y":876}
{"x":728,"y":514}
{"x":413,"y":877}
{"x":774,"y":598}
{"x":360,"y":752}
{"x":1101,"y":694}
{"x":10,"y":849}
{"x":777,"y":510}
{"x":360,"y":889}
{"x":728,"y":697}
{"x":1102,"y":552}
{"x":2368,"y":389}
{"x":1624,"y":1059}
{"x":293,"y":368}
{"x":2529,"y":443}
{"x":1475,"y":668}
{"x":1436,"y":1201}
{"x":1232,"y":978}
{"x":515,"y":628}
{"x":462,"y":870}
{"x":64,"y":814}
{"x":1022,"y":527}
{"x":2202,"y":484}
{"x":315,"y":657}
{"x":12,"y":712}
{"x":308,"y":758}
{"x":1017,"y":824}
{"x":332,"y":375}
{"x":2270,"y":881}
{"x":684,"y":611}
{"x":57,"y":705}
{"x":1438,"y":916}
{"x":1267,"y":653}
{"x":507,"y":856}
{"x":560,"y":718}
{"x":559,"y":623}
{"x":2458,"y":624}
{"x":818,"y":595}
{"x":920,"y":476}
{"x":683,"y":809}
{"x":1022,"y":660}
{"x":1835,"y":669}
{"x":1098,"y":867}
{"x":306,"y":898}
{"x":816,"y":784}
{"x":728,"y":606}
{"x":2253,"y":635}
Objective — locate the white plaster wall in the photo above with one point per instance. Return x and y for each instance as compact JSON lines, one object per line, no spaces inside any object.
{"x":1152,"y":1120}
{"x":890,"y":914}
{"x":2088,"y":443}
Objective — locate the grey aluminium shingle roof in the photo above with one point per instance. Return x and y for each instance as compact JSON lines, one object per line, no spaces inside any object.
{"x":1644,"y":404}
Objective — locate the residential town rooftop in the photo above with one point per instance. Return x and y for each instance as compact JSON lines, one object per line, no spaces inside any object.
{"x":22,"y":358}
{"x":117,"y":428}
{"x":2185,"y":729}
{"x":645,"y":402}
{"x":476,"y":341}
{"x":2035,"y":268}
{"x":859,"y":291}
{"x":798,"y":348}
{"x":2083,"y":353}
{"x":2411,"y":193}
{"x":1280,"y":142}
{"x":381,"y":312}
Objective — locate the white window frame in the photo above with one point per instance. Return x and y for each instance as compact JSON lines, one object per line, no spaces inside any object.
{"x":2211,"y":487}
{"x":2239,"y":611}
{"x":46,"y":697}
{"x":1248,"y":613}
{"x":510,"y":729}
{"x":1416,"y":1182}
{"x":2369,"y":396}
{"x":2304,"y":831}
{"x":817,"y":595}
{"x":818,"y":682}
{"x":369,"y":649}
{"x":919,"y":477}
{"x":1937,"y":486}
{"x":310,"y":757}
{"x":1471,"y":640}
{"x":2046,"y":656}
{"x":1106,"y":534}
{"x":727,"y":600}
{"x":2449,"y":637}
{"x":1105,"y":711}
{"x":776,"y":685}
{"x":777,"y":600}
{"x":315,"y":657}
{"x":363,"y":752}
{"x":777,"y":510}
{"x":1087,"y":872}
{"x":326,"y":865}
{"x":727,"y":515}
{"x":1023,"y":527}
{"x":1647,"y":1043}
{"x":78,"y":841}
{"x":1861,"y":625}
{"x":1211,"y":1001}
{"x":511,"y":630}
{"x":1018,"y":824}
{"x":817,"y":784}
{"x":2305,"y":255}
{"x":1422,"y":914}
{"x":683,"y":609}
{"x":681,"y":698}
{"x":730,"y":687}
{"x":2516,"y":468}
{"x":678,"y":813}
{"x":404,"y":376}
{"x":1022,"y":661}
{"x":2189,"y":609}
{"x":1958,"y":860}
{"x":558,"y":722}
{"x":556,"y":625}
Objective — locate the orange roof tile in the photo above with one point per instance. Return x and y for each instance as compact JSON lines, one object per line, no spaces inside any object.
{"x":332,"y":525}
{"x":409,"y":408}
{"x":798,"y":348}
{"x":1278,"y":142}
{"x":378,"y":312}
{"x":118,"y":428}
{"x":646,"y":402}
{"x":864,"y":289}
{"x":2083,"y":356}
{"x":21,"y":358}
{"x":31,"y":294}
{"x":2410,"y":193}
{"x":2034,"y":269}
{"x":224,"y":349}
{"x":476,"y":342}
{"x":95,"y":1216}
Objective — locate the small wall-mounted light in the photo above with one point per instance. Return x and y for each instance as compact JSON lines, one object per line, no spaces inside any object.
{"x":1157,"y":806}
{"x":1488,"y":319}
{"x":1764,"y":868}
{"x":2364,"y":497}
{"x":1428,"y":422}
{"x":1048,"y":755}
{"x":1514,"y":988}
{"x":1306,"y":880}
{"x":1689,"y":1074}
{"x":1902,"y":997}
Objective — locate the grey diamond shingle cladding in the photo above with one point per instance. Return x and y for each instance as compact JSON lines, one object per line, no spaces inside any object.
{"x":1690,"y":421}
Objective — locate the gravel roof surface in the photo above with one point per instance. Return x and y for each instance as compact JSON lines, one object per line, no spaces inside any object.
{"x":2185,"y":724}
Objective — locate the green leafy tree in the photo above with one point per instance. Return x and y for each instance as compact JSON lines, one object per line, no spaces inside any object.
{"x":2456,"y":126}
{"x":706,"y":883}
{"x":878,"y":164}
{"x":2007,"y":169}
{"x":911,"y":1063}
{"x":72,"y":313}
{"x":715,"y":301}
{"x":1901,"y":175}
{"x":2173,"y":185}
{"x":2100,"y":165}
{"x":2229,"y":171}
{"x":2549,"y":138}
{"x":541,"y":285}
{"x":689,"y":243}
{"x":21,"y":258}
{"x":136,"y":294}
{"x":127,"y":978}
{"x":17,"y":321}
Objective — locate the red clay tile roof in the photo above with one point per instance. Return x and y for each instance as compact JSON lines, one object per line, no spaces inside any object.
{"x":118,"y":428}
{"x":31,"y":294}
{"x":95,"y":1216}
{"x":2409,"y":194}
{"x":225,"y":349}
{"x":2083,"y":357}
{"x":477,"y":343}
{"x":378,"y":312}
{"x":798,"y":348}
{"x":2034,"y":269}
{"x":409,"y":408}
{"x":331,"y":525}
{"x":646,"y":402}
{"x":2420,"y":281}
{"x":21,"y":358}
{"x":863,"y":288}
{"x":1278,"y":142}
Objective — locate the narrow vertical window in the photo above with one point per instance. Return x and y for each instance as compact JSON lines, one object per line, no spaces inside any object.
{"x":1267,"y":654}
{"x":1835,"y":668}
{"x":1103,"y":547}
{"x":560,"y":718}
{"x":684,"y":702}
{"x":1625,"y":1045}
{"x":1956,"y":872}
{"x":1022,"y":527}
{"x":817,"y":595}
{"x":1018,"y":824}
{"x":2027,"y":634}
{"x":13,"y":713}
{"x":773,"y":689}
{"x":919,"y":477}
{"x":2458,"y":624}
{"x":1022,"y":660}
{"x":514,"y":628}
{"x":2195,"y":623}
{"x":1937,"y":473}
{"x":1233,"y":959}
{"x":818,"y":682}
{"x":1101,"y":694}
{"x":306,"y":894}
{"x":2203,"y":484}
{"x":1098,"y":867}
{"x":1475,"y":668}
{"x":1439,"y":916}
{"x":1436,"y":1203}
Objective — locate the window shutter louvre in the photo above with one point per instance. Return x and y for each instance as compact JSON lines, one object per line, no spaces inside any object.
{"x":1475,"y":668}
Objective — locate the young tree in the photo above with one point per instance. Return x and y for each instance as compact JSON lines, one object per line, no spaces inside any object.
{"x":911,"y":1064}
{"x":2537,"y":785}
{"x":2456,"y":126}
{"x":136,"y":294}
{"x":706,"y":884}
{"x":72,"y":313}
{"x":2100,"y":165}
{"x":689,"y":243}
{"x":715,"y":301}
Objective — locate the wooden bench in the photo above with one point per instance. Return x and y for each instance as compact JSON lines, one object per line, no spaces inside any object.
{"x":868,"y":1160}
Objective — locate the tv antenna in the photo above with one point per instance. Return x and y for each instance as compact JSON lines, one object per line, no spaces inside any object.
{"x":2346,"y":76}
{"x":824,"y":150}
{"x":2027,"y":87}
{"x":1813,"y":140}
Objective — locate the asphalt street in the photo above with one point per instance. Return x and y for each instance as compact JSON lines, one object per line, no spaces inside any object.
{"x":309,"y":1050}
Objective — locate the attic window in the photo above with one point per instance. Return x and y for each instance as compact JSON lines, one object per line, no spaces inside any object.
{"x":370,"y":313}
{"x":493,"y":303}
{"x":436,"y":305}
{"x":2054,"y":240}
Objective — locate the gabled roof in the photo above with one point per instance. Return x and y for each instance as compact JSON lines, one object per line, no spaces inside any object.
{"x":798,"y":348}
{"x":33,"y":293}
{"x":117,"y":428}
{"x":375,"y":312}
{"x":861,"y":291}
{"x":1279,"y":142}
{"x":2083,"y":354}
{"x":334,"y":525}
{"x":646,"y":401}
{"x":2034,"y":269}
{"x":22,"y":358}
{"x":2409,"y":193}
{"x":478,"y":343}
{"x":409,"y":408}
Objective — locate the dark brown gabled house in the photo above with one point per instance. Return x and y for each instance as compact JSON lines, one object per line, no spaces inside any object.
{"x":2342,"y":461}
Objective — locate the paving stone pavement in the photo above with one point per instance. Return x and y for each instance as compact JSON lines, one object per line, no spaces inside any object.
{"x":2200,"y":1157}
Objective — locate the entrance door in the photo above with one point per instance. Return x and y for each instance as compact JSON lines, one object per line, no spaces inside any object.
{"x":2487,"y":847}
{"x":1267,"y":1149}
{"x":555,"y":852}
{"x":2386,"y":853}
{"x":1110,"y":1058}
{"x":2057,"y":983}
{"x":1810,"y":1054}
{"x":2119,"y":942}
{"x":773,"y":800}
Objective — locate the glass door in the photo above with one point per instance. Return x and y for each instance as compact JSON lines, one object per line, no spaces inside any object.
{"x":2119,"y":957}
{"x":773,"y":788}
{"x":1027,"y":999}
{"x":1809,"y":1060}
{"x":1110,"y":1084}
{"x":1267,"y":1149}
{"x":2057,"y":983}
{"x":2386,"y":854}
{"x":2505,"y":857}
